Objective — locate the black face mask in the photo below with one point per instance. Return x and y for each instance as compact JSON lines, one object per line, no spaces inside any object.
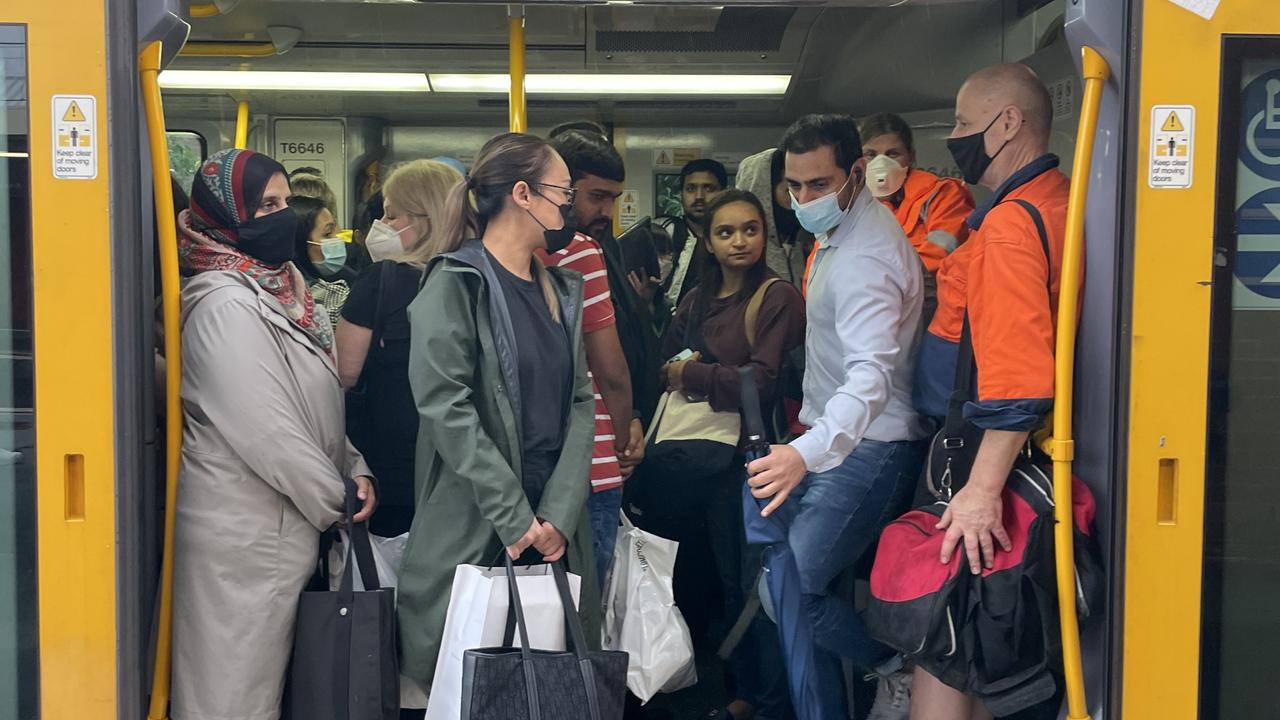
{"x":270,"y":238}
{"x":970,"y":153}
{"x":559,"y":238}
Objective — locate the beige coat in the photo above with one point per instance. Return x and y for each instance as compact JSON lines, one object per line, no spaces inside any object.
{"x":263,"y":459}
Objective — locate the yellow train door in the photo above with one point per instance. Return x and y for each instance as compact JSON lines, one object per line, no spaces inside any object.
{"x":57,"y":455}
{"x":1200,"y":574}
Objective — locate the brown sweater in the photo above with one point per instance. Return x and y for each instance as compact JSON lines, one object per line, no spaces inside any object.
{"x":779,"y":330}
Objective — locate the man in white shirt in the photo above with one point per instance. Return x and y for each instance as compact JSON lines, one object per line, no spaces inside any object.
{"x":856,"y":467}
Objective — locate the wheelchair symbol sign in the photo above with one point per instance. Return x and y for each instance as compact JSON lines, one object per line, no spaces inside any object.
{"x":1260,"y":146}
{"x":1258,"y":250}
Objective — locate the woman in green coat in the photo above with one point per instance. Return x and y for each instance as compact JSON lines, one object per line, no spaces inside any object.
{"x":500,"y":380}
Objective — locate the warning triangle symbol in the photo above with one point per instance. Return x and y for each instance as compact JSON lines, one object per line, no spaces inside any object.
{"x":1172,"y":124}
{"x":73,"y":113}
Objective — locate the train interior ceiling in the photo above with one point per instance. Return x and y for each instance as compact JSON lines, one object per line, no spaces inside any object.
{"x":451,"y":60}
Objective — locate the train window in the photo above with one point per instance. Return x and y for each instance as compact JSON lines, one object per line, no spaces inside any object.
{"x":18,"y":640}
{"x":1241,"y":578}
{"x":187,"y":149}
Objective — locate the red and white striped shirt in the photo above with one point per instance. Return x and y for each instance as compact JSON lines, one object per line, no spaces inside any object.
{"x":585,"y":256}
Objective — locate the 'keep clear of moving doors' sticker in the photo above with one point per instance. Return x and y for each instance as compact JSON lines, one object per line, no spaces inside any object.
{"x":1172,"y":131}
{"x":75,"y":137}
{"x":1257,"y":267}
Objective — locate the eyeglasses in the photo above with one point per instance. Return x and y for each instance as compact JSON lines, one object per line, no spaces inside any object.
{"x":569,"y":193}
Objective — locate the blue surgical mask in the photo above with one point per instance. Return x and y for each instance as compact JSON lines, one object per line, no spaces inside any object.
{"x":821,"y":215}
{"x":335,"y":256}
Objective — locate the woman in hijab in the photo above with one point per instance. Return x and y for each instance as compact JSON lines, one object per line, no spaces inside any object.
{"x":264,"y":455}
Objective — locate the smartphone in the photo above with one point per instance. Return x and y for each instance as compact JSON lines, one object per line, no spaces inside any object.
{"x":682,"y":355}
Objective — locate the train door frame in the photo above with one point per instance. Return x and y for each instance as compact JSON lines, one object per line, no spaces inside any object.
{"x":72,"y":228}
{"x":1170,"y":311}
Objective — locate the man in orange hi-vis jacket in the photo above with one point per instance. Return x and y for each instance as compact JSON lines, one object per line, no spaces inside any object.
{"x":1002,"y":280}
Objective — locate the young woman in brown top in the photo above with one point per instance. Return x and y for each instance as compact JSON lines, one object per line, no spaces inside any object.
{"x":716,"y":309}
{"x":711,"y":322}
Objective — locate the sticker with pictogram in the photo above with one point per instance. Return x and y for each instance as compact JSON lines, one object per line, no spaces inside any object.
{"x":75,"y":137}
{"x":1172,"y":146}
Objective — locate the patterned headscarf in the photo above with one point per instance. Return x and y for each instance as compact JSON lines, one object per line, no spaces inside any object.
{"x":225,"y":194}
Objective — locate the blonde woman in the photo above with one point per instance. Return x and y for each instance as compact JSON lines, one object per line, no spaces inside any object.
{"x":373,"y":334}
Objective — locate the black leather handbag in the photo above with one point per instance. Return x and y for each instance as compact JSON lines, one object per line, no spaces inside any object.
{"x":508,"y":683}
{"x":344,"y":664}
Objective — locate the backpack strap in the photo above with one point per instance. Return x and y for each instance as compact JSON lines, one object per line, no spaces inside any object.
{"x":753,"y":310}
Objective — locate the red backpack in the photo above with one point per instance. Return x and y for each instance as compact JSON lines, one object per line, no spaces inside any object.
{"x":993,"y":635}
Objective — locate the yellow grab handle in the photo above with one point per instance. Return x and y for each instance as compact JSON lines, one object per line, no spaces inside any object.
{"x":205,"y":10}
{"x":242,"y":125}
{"x":516,"y":50}
{"x":217,"y":49}
{"x":149,"y":65}
{"x":1060,"y":445}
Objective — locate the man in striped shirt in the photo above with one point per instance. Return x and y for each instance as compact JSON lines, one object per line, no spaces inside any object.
{"x":607,"y":368}
{"x":597,"y":172}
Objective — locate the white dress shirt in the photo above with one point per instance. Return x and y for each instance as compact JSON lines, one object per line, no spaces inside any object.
{"x":864,"y":298}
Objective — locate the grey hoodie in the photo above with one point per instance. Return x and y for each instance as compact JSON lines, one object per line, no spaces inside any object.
{"x":787,"y":261}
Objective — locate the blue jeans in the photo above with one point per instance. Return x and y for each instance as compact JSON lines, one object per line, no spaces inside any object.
{"x":603,"y":507}
{"x":840,"y":514}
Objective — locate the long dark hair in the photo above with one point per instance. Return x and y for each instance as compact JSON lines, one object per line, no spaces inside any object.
{"x":711,"y":277}
{"x":307,"y":208}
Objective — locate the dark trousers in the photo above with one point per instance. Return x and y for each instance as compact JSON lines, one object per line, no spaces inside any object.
{"x":755,"y":666}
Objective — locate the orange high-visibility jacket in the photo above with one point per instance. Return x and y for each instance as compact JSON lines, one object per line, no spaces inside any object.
{"x":933,"y":212}
{"x":1001,"y":277}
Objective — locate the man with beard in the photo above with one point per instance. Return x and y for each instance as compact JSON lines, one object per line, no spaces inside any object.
{"x":700,"y":181}
{"x":618,"y":332}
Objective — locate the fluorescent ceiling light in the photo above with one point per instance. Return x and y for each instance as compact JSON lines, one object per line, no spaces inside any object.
{"x":616,"y":84}
{"x":480,"y":83}
{"x":275,"y":80}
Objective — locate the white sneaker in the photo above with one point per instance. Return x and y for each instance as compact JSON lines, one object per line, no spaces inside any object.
{"x":893,"y":696}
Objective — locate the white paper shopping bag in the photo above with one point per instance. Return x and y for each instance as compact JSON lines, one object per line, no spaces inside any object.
{"x":477,"y":618}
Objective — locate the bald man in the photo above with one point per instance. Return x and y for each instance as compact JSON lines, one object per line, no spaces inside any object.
{"x":1004,"y":281}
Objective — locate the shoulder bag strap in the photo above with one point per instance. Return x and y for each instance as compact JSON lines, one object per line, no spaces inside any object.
{"x":379,"y":322}
{"x":1034,"y":212}
{"x":526,"y":653}
{"x":966,"y":367}
{"x":753,"y":310}
{"x":573,"y":624}
{"x":346,"y":610}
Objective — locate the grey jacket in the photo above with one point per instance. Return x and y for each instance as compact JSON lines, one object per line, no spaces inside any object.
{"x":263,"y":460}
{"x":787,"y":260}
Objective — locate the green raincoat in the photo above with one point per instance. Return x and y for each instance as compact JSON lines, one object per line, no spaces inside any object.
{"x":470,"y":502}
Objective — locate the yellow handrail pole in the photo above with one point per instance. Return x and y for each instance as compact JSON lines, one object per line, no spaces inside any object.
{"x":516,"y":50}
{"x":205,"y":10}
{"x":1096,"y":72}
{"x":218,"y":49}
{"x":242,"y":125}
{"x":149,"y":63}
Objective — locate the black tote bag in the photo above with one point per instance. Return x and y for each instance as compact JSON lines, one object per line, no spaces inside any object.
{"x":509,"y":683}
{"x":344,"y":663}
